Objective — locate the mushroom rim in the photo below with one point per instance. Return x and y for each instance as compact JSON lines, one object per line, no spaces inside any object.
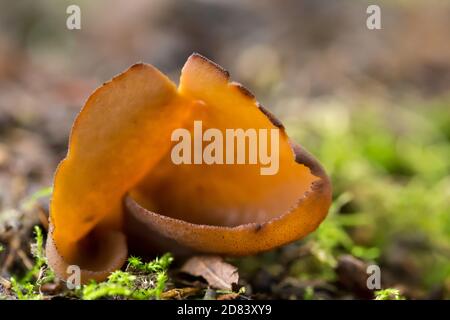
{"x":322,"y":187}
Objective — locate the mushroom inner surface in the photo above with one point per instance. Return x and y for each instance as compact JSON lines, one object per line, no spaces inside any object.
{"x":221,"y":194}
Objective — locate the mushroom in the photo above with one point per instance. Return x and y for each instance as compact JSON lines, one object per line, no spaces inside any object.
{"x":118,"y":188}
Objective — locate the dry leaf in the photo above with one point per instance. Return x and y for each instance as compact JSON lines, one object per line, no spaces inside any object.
{"x":180,"y":293}
{"x":228,"y":296}
{"x":218,"y":273}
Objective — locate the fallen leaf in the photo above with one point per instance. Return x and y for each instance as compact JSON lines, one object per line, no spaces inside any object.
{"x":228,"y":296}
{"x":179,"y":293}
{"x":214,"y":270}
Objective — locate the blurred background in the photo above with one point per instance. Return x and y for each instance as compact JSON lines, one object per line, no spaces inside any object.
{"x":372,"y":105}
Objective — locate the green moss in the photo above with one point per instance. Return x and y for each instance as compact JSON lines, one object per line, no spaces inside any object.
{"x":140,"y":281}
{"x":388,"y":294}
{"x":157,"y":265}
{"x":309,"y":293}
{"x":24,"y":290}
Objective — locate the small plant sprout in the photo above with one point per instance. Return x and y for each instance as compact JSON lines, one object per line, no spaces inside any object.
{"x":27,"y":287}
{"x":309,"y":293}
{"x":37,"y":250}
{"x":29,"y":202}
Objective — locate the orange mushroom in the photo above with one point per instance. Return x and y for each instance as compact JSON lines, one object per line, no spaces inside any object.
{"x":118,"y":187}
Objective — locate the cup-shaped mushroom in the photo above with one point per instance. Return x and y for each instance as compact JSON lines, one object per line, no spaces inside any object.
{"x":243,"y":188}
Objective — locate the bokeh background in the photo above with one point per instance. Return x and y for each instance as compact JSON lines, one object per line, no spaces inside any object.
{"x":372,"y":105}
